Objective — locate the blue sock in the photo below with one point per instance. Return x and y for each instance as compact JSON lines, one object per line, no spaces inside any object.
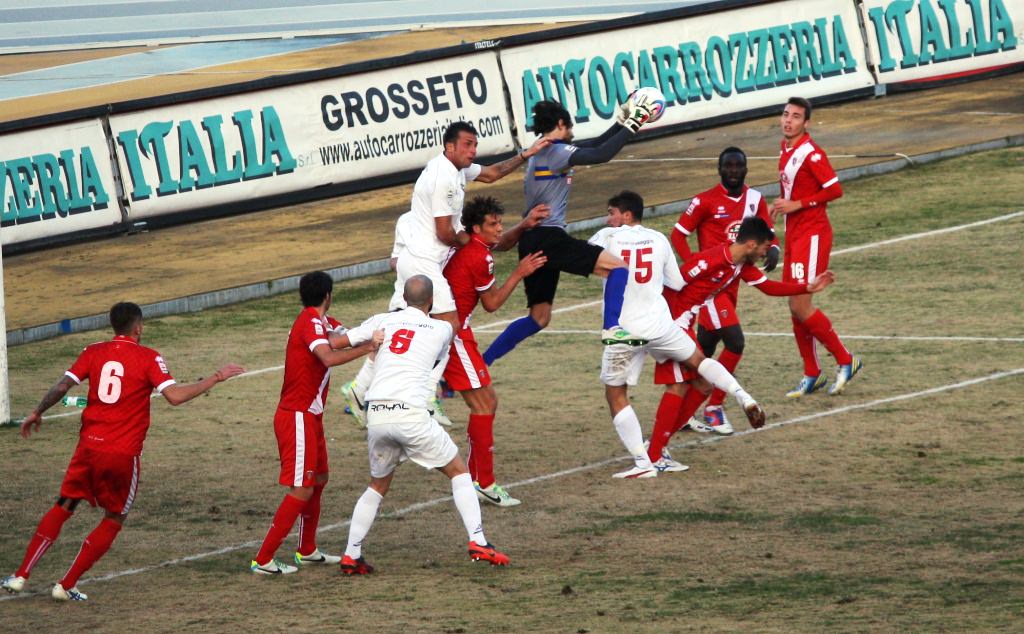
{"x":515,"y":332}
{"x":614,"y":289}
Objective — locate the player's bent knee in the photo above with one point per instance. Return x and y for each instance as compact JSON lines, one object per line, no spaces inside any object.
{"x":701,"y":385}
{"x":733,"y":339}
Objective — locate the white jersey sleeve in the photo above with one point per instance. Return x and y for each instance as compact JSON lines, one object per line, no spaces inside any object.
{"x":473,"y":171}
{"x":672,"y":277}
{"x":402,"y":233}
{"x":601,"y":237}
{"x":364,"y":331}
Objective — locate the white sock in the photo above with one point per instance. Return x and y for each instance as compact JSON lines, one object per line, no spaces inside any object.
{"x":628,"y":427}
{"x":363,"y":378}
{"x":362,"y":519}
{"x":717,"y":375}
{"x":469,"y":507}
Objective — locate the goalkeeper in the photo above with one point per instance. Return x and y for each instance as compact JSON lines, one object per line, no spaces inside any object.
{"x":548,"y":178}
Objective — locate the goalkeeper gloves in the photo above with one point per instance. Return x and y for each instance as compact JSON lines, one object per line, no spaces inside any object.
{"x":633,"y":115}
{"x":771,"y":259}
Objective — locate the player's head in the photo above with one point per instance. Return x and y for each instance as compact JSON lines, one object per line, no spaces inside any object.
{"x":315,"y":288}
{"x":551,"y":119}
{"x":125,"y":318}
{"x":625,"y":208}
{"x":732,"y":167}
{"x":460,"y":144}
{"x":482,"y":216}
{"x":795,"y":116}
{"x":419,"y":292}
{"x":755,"y":236}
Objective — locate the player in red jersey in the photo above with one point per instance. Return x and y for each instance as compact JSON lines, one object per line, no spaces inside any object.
{"x":104,"y":469}
{"x":715,"y":215}
{"x":708,"y":274}
{"x":315,"y":344}
{"x":808,"y":184}
{"x":470,"y":273}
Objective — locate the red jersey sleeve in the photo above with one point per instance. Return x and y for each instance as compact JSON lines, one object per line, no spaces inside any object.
{"x":79,"y":370}
{"x":755,"y":277}
{"x":482,"y":272}
{"x":688,"y":222}
{"x":706,"y":262}
{"x":157,"y":373}
{"x":820,"y":167}
{"x":311,"y":332}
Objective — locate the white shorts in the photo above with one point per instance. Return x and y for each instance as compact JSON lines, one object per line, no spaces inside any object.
{"x":621,"y":364}
{"x":396,"y":431}
{"x":409,"y":265}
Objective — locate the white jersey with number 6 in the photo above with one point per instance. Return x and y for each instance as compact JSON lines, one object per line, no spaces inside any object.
{"x":652,"y":266}
{"x":413,"y":344}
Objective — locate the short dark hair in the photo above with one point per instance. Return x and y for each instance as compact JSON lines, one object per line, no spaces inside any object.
{"x":732,"y":149}
{"x":314,"y":288}
{"x":803,"y":103}
{"x":547,"y":114}
{"x":475,"y":212}
{"x":630,"y":201}
{"x":451,"y":133}
{"x":124,"y":316}
{"x":755,"y":229}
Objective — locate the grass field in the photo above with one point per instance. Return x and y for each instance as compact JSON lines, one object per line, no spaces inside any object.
{"x":895,"y":507}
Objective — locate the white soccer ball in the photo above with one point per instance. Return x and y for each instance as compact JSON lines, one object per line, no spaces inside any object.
{"x":652,"y":98}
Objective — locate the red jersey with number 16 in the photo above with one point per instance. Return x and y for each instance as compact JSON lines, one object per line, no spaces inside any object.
{"x":469,"y":272}
{"x":804,"y":171}
{"x":306,"y":379}
{"x":122,"y":376}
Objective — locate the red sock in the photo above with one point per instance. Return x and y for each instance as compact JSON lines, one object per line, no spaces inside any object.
{"x":309,"y":521}
{"x":820,"y":326}
{"x":691,"y":401}
{"x":805,"y":343}
{"x":46,"y":534}
{"x":729,"y":360}
{"x":481,"y":448}
{"x":95,"y":546}
{"x":664,"y":422}
{"x":284,"y":519}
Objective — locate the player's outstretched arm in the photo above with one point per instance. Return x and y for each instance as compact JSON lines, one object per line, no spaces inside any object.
{"x":331,"y":358}
{"x":533,"y":218}
{"x":497,"y":171}
{"x":493,"y":298}
{"x":35,"y":417}
{"x":177,"y":394}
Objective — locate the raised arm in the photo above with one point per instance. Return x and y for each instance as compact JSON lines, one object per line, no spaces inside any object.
{"x":491,"y":173}
{"x":533,"y":218}
{"x":605,"y":151}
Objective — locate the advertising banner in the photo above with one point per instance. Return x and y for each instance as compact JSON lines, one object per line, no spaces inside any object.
{"x":706,"y":65}
{"x":927,"y":39}
{"x":56,"y":180}
{"x":258,"y":144}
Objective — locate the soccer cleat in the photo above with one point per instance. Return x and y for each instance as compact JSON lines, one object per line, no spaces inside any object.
{"x":316,"y":557}
{"x":13,"y":584}
{"x":351,"y":566}
{"x":697,"y":425}
{"x":273,"y":567}
{"x":487,"y":553}
{"x":618,"y":334}
{"x":715,"y":418}
{"x":807,"y":385}
{"x":437,"y":412}
{"x":750,"y":407}
{"x":843,"y":376}
{"x":637,"y":472}
{"x":667,"y":464}
{"x":496,"y":495}
{"x":354,"y":405}
{"x":71,"y":594}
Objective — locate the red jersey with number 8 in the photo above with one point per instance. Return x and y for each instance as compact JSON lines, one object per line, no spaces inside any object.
{"x":122,"y":376}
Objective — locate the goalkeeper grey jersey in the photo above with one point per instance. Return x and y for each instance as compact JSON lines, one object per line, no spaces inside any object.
{"x":548,"y":178}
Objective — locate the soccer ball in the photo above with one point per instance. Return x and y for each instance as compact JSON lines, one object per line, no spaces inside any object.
{"x":651,"y":96}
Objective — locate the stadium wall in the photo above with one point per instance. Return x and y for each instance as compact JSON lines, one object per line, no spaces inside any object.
{"x":276,"y":141}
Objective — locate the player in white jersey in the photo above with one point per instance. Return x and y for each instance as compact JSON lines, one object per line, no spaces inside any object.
{"x":398,"y":427}
{"x":646,"y":314}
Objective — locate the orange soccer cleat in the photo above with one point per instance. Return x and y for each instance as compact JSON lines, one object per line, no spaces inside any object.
{"x":487,"y":553}
{"x":359,"y":566}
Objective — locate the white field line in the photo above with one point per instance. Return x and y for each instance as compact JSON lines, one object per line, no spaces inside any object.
{"x":559,"y":474}
{"x":551,"y":331}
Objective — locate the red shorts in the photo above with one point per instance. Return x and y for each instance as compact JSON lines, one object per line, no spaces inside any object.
{"x":466,"y":369}
{"x":301,"y":446}
{"x":722,"y":310}
{"x":806,"y":256}
{"x":109,"y":480}
{"x":670,"y":371}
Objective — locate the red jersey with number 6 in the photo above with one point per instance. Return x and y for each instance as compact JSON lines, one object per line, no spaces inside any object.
{"x":804,"y":170}
{"x":122,"y":376}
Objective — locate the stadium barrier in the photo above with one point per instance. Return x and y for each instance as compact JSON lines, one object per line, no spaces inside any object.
{"x":318,"y":134}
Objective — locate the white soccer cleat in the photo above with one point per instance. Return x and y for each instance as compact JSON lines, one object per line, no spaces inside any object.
{"x":355,"y":405}
{"x":316,"y":557}
{"x":638,"y":471}
{"x":618,"y":334}
{"x":273,"y":567}
{"x":844,"y":375}
{"x":496,"y":495}
{"x":698,"y":426}
{"x":71,"y":594}
{"x":13,"y":584}
{"x":715,"y":418}
{"x":437,"y":412}
{"x":667,"y":464}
